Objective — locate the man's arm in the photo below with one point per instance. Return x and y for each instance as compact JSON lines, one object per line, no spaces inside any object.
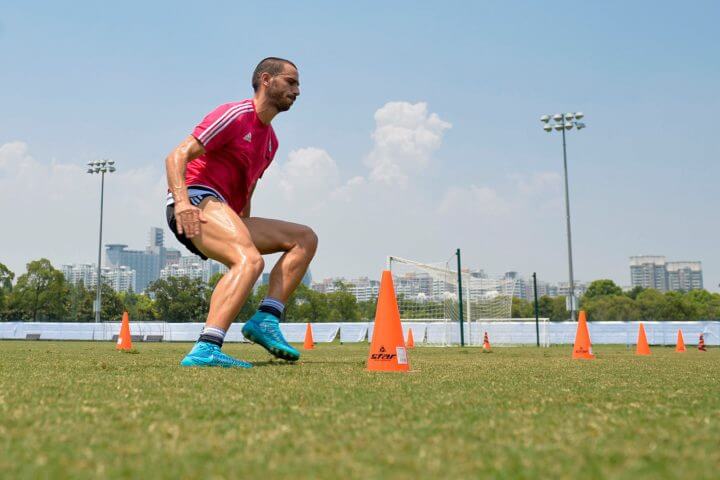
{"x":187,"y":216}
{"x":246,"y":211}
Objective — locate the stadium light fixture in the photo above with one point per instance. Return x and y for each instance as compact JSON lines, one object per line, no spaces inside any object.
{"x":102,"y":167}
{"x":561,"y":123}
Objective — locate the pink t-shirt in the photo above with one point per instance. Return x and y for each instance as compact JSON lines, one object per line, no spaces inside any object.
{"x":238,"y":149}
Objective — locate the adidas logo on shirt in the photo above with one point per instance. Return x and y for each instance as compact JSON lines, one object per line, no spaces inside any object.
{"x":248,"y":137}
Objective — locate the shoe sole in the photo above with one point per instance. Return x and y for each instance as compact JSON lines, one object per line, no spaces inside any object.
{"x":276,"y":352}
{"x":208,"y":365}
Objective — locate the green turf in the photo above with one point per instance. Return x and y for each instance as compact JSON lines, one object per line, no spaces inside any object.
{"x":83,"y":410}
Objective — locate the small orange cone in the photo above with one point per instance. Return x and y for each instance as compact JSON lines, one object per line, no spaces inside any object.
{"x":680,"y":347}
{"x":486,"y":343}
{"x":410,"y":340}
{"x":642,"y":344}
{"x":387,"y":349}
{"x":309,"y":343}
{"x":701,"y":344}
{"x":124,"y":341}
{"x":582,"y":347}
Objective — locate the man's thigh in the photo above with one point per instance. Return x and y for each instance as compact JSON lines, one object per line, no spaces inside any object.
{"x":224,"y":237}
{"x":272,"y":236}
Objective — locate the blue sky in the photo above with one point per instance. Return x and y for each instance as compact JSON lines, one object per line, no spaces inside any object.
{"x":129,"y":80}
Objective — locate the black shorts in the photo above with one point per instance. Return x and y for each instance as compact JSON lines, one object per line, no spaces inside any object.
{"x":199,"y":195}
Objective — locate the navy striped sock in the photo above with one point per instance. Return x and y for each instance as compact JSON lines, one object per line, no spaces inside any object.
{"x":213,"y":335}
{"x":272,"y":306}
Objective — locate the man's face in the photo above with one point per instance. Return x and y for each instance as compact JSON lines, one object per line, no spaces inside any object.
{"x":283,"y":88}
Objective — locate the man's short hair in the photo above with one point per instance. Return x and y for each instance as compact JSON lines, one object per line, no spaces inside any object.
{"x":271,"y":65}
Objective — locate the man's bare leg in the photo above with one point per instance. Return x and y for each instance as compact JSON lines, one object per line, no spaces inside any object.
{"x":297,"y":241}
{"x":225,"y":238}
{"x":299,"y":244}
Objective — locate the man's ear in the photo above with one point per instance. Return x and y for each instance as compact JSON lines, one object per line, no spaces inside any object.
{"x":265,"y":78}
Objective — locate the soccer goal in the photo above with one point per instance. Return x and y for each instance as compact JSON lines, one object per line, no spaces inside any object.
{"x":428,"y":293}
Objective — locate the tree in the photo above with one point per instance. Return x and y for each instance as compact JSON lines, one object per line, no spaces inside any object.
{"x":611,"y":308}
{"x":180,"y":299}
{"x":306,"y":305}
{"x":706,"y":304}
{"x":6,"y":278}
{"x":553,"y":308}
{"x":600,"y":288}
{"x":635,"y":292}
{"x":522,"y":308}
{"x":140,"y":307}
{"x":343,"y":307}
{"x":80,"y":303}
{"x":650,"y":304}
{"x":112,"y":308}
{"x":677,"y":307}
{"x":367,"y":309}
{"x":40,"y":294}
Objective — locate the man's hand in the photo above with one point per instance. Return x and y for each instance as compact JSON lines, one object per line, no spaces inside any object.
{"x":188,"y":219}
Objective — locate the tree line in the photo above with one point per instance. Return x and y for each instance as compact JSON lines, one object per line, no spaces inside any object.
{"x":605,"y":301}
{"x":43,"y":294}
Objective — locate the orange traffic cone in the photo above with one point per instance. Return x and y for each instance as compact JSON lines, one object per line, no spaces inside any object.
{"x":701,"y":344}
{"x":642,"y":344}
{"x":387,"y":349}
{"x":410,"y":340}
{"x":680,"y":347}
{"x":309,"y":343}
{"x":583,"y":347}
{"x":486,"y":343}
{"x":124,"y":341}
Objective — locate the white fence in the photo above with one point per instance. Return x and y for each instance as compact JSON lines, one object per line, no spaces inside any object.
{"x":429,"y":333}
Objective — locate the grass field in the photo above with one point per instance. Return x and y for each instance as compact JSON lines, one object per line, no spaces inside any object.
{"x":82,"y":410}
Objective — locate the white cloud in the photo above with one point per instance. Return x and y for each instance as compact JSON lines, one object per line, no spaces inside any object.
{"x":52,"y":209}
{"x":405,"y":137}
{"x":539,"y":182}
{"x":308,"y":173}
{"x":345,"y":192}
{"x":359,"y":219}
{"x":473,"y":200}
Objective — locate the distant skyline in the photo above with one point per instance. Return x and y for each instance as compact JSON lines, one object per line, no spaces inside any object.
{"x":171,"y":243}
{"x":417,"y":130}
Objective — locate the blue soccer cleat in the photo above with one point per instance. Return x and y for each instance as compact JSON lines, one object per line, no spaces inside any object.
{"x":264,"y":329}
{"x":205,"y":354}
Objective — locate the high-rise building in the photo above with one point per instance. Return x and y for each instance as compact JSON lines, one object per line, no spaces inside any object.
{"x":648,"y":271}
{"x":172,"y":257}
{"x":120,"y":279}
{"x":684,"y":276}
{"x":192,"y":266}
{"x":563,"y":289}
{"x":362,"y":288}
{"x":156,"y":237}
{"x":146,"y":263}
{"x":653,"y":271}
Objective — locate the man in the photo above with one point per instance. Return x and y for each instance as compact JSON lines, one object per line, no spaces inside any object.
{"x":211,"y":178}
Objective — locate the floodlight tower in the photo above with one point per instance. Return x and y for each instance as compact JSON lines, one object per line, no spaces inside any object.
{"x":102,"y":167}
{"x":560,"y":123}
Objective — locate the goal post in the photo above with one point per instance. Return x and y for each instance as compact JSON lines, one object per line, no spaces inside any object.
{"x":430,"y":293}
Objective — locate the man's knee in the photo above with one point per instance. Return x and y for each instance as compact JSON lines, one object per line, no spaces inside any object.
{"x":248,"y":258}
{"x":256,"y":262}
{"x":308,"y":240}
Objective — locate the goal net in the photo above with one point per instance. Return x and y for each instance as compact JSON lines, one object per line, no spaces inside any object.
{"x":429,"y":293}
